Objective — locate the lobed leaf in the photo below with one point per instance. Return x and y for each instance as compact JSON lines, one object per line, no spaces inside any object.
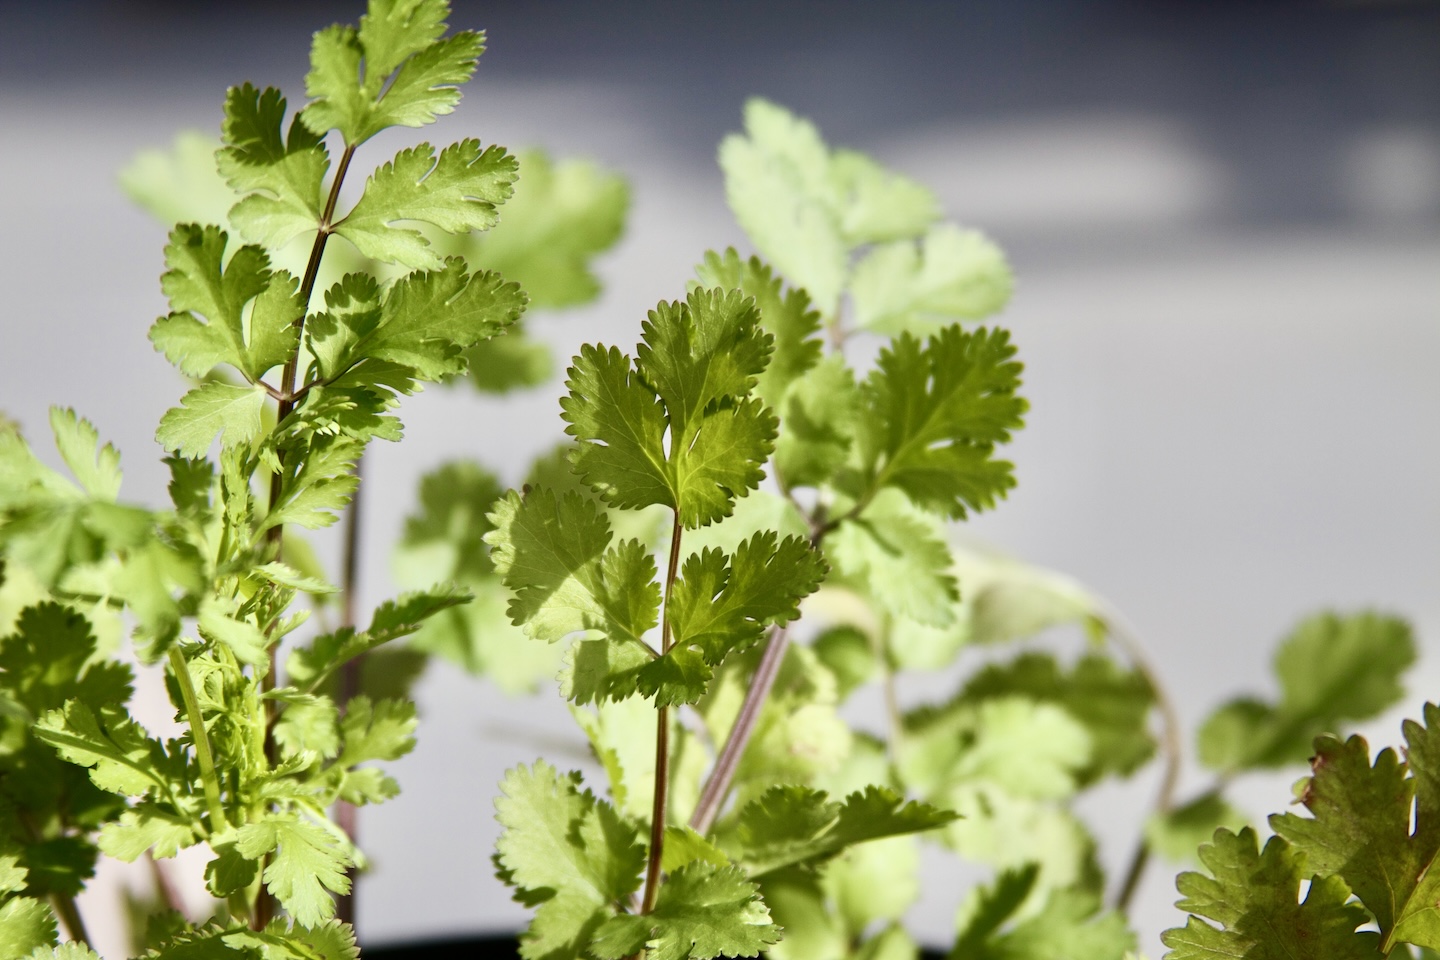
{"x":949,"y":274}
{"x":555,"y":554}
{"x":1332,"y":669}
{"x":561,"y":216}
{"x":693,"y":372}
{"x":794,"y":825}
{"x":200,"y":282}
{"x":1360,"y":829}
{"x":306,"y":861}
{"x":566,"y":851}
{"x":457,"y":192}
{"x":214,"y":410}
{"x":1252,"y":897}
{"x":349,"y":70}
{"x":280,"y":177}
{"x":934,"y":414}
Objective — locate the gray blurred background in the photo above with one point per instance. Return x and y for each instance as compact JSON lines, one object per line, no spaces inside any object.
{"x":1224,"y":218}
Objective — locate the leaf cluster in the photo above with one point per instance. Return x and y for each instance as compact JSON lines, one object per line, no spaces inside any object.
{"x":287,"y":388}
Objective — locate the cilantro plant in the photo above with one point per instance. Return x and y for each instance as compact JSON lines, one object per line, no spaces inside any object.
{"x":673,"y":578}
{"x":292,"y":383}
{"x":753,"y":520}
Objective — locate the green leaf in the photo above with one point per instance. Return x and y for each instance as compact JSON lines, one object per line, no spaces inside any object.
{"x":1069,"y":924}
{"x":480,"y":639}
{"x":725,"y":604}
{"x":702,"y":911}
{"x":283,"y":176}
{"x":349,"y":69}
{"x":785,"y":313}
{"x":512,"y":362}
{"x":213,"y":410}
{"x":819,"y":414}
{"x":777,"y":181}
{"x":308,"y":667}
{"x":457,"y":192}
{"x":12,"y":875}
{"x":376,"y":731}
{"x":446,"y":535}
{"x":790,"y":825}
{"x":952,"y":274}
{"x":62,"y":864}
{"x":934,"y":415}
{"x":683,"y":845}
{"x":229,"y":872}
{"x":566,"y":851}
{"x":1178,"y":833}
{"x":988,"y":907}
{"x":307,"y":862}
{"x":122,"y":758}
{"x":47,"y":661}
{"x":392,"y":32}
{"x":247,"y":641}
{"x":201,"y":283}
{"x":331,"y":940}
{"x":307,"y":726}
{"x":620,"y":425}
{"x":26,"y":924}
{"x":1028,"y":749}
{"x":96,"y":467}
{"x":562,"y":215}
{"x":873,"y":882}
{"x":699,"y":360}
{"x":1360,"y":830}
{"x":848,"y":654}
{"x":1333,"y":669}
{"x":146,"y":826}
{"x":896,"y":555}
{"x":876,"y":205}
{"x":1112,"y":703}
{"x":1252,"y":897}
{"x":797,"y":903}
{"x":284,"y":575}
{"x":429,"y":318}
{"x":313,"y":495}
{"x":555,"y":554}
{"x":1004,"y":599}
{"x":179,"y":184}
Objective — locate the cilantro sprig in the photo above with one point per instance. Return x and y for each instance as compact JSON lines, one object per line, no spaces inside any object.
{"x":288,"y":389}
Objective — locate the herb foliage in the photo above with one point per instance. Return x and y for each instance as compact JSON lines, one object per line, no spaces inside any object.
{"x":746,"y":526}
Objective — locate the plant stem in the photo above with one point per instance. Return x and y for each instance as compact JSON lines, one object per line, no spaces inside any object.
{"x":894,"y":719}
{"x":69,"y":915}
{"x":200,"y":738}
{"x":662,"y":740}
{"x":346,"y":814}
{"x":264,"y":905}
{"x":307,"y":288}
{"x":1170,"y":745}
{"x":717,"y":785}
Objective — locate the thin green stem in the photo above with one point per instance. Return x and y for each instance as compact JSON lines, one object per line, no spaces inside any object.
{"x":717,"y":784}
{"x":307,"y":289}
{"x":264,"y":903}
{"x":208,"y":779}
{"x":69,"y":914}
{"x":662,"y":740}
{"x":1171,"y":747}
{"x":894,"y":720}
{"x":346,"y":813}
